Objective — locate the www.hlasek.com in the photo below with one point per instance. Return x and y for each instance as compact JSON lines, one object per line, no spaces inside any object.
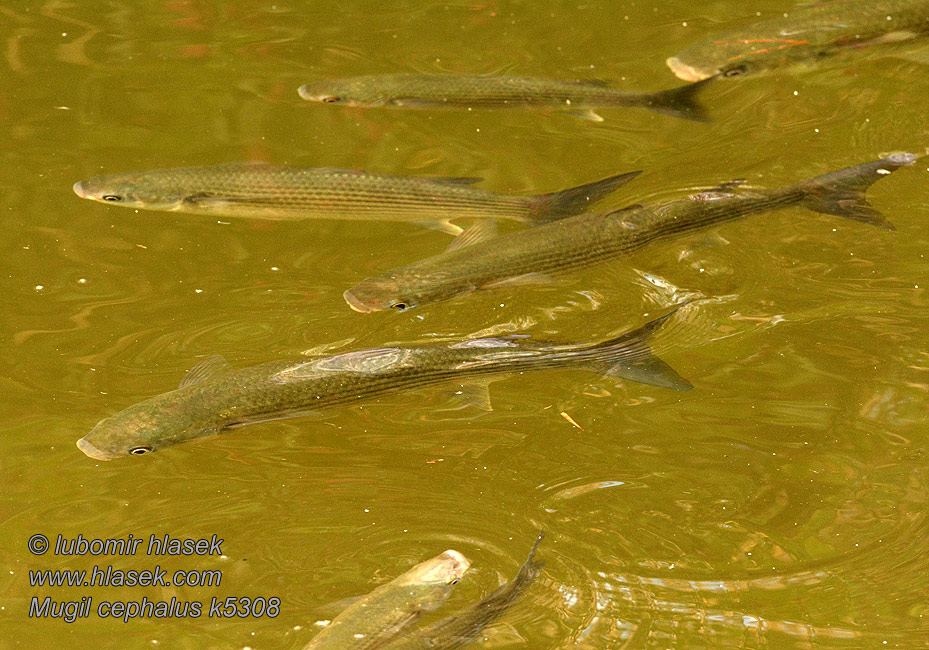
{"x":84,"y":606}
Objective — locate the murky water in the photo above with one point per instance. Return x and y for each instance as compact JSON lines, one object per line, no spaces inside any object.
{"x":780,"y":504}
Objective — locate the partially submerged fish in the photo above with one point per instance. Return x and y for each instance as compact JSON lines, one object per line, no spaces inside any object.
{"x":808,"y":34}
{"x":463,"y":627}
{"x":213,"y":397}
{"x":272,"y":192}
{"x":474,"y":262}
{"x":382,"y":615}
{"x":580,"y":98}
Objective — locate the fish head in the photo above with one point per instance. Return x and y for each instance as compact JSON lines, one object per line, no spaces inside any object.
{"x":351,"y":91}
{"x":148,"y":190}
{"x":727,"y":59}
{"x":435,"y":578}
{"x":143,"y":428}
{"x":381,"y":293}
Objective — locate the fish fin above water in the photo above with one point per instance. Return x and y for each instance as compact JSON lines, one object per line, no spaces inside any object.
{"x":629,"y":357}
{"x":208,"y":368}
{"x":544,"y":208}
{"x":842,"y":192}
{"x":680,"y":102}
{"x":586,"y":114}
{"x":443,"y":225}
{"x":481,"y":231}
{"x":646,"y":370}
{"x":521,"y":280}
{"x":475,"y":393}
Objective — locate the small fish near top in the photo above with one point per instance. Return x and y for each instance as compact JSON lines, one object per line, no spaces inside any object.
{"x":580,"y":98}
{"x":474,"y":262}
{"x":212,"y":397}
{"x":382,"y":615}
{"x":257,"y":190}
{"x":809,"y":34}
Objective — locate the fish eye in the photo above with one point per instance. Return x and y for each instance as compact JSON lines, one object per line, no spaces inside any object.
{"x":399,"y":306}
{"x":332,"y":100}
{"x":139,"y":451}
{"x":112,"y":198}
{"x":736,"y":71}
{"x":453,"y":581}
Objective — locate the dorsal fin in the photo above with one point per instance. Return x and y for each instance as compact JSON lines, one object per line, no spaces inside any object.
{"x":481,"y":231}
{"x":460,"y":180}
{"x":206,"y":369}
{"x":595,"y":83}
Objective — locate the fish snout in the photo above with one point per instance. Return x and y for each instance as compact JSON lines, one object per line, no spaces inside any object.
{"x":355,"y":303}
{"x":460,"y":564}
{"x":91,"y":450}
{"x":79,"y":190}
{"x":686,"y":72}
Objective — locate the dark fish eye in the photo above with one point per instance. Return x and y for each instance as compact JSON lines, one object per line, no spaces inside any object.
{"x":399,"y":306}
{"x":139,"y":451}
{"x":736,"y":71}
{"x":332,"y":100}
{"x":113,"y":198}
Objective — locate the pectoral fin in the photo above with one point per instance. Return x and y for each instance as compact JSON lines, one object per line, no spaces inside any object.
{"x":521,"y":280}
{"x":586,"y":114}
{"x":481,"y":231}
{"x":442,"y":224}
{"x":208,"y":368}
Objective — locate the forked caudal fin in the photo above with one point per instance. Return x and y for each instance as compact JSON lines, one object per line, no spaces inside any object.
{"x":629,"y":357}
{"x":680,"y":102}
{"x":842,"y":192}
{"x":566,"y":203}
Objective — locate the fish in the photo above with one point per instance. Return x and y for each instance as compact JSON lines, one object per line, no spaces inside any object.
{"x":809,"y":34}
{"x":453,"y":91}
{"x":476,"y":261}
{"x":463,"y":627}
{"x":378,"y":618}
{"x":264,"y":191}
{"x":212,"y":397}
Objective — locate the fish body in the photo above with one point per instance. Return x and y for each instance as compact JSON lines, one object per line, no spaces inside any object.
{"x":808,"y":34}
{"x":486,"y":91}
{"x":463,"y":627}
{"x":382,"y":615}
{"x":278,"y":192}
{"x":213,"y":397}
{"x":589,"y":239}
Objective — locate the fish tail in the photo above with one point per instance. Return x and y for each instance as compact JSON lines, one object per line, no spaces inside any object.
{"x":680,"y":102}
{"x":544,"y":208}
{"x":629,"y":357}
{"x":842,"y":192}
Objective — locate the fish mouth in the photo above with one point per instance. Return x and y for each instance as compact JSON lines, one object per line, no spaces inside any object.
{"x":79,"y":190}
{"x":356,"y":304}
{"x":686,"y":72}
{"x":89,"y":449}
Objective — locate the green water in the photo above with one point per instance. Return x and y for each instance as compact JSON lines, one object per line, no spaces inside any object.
{"x":780,"y":504}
